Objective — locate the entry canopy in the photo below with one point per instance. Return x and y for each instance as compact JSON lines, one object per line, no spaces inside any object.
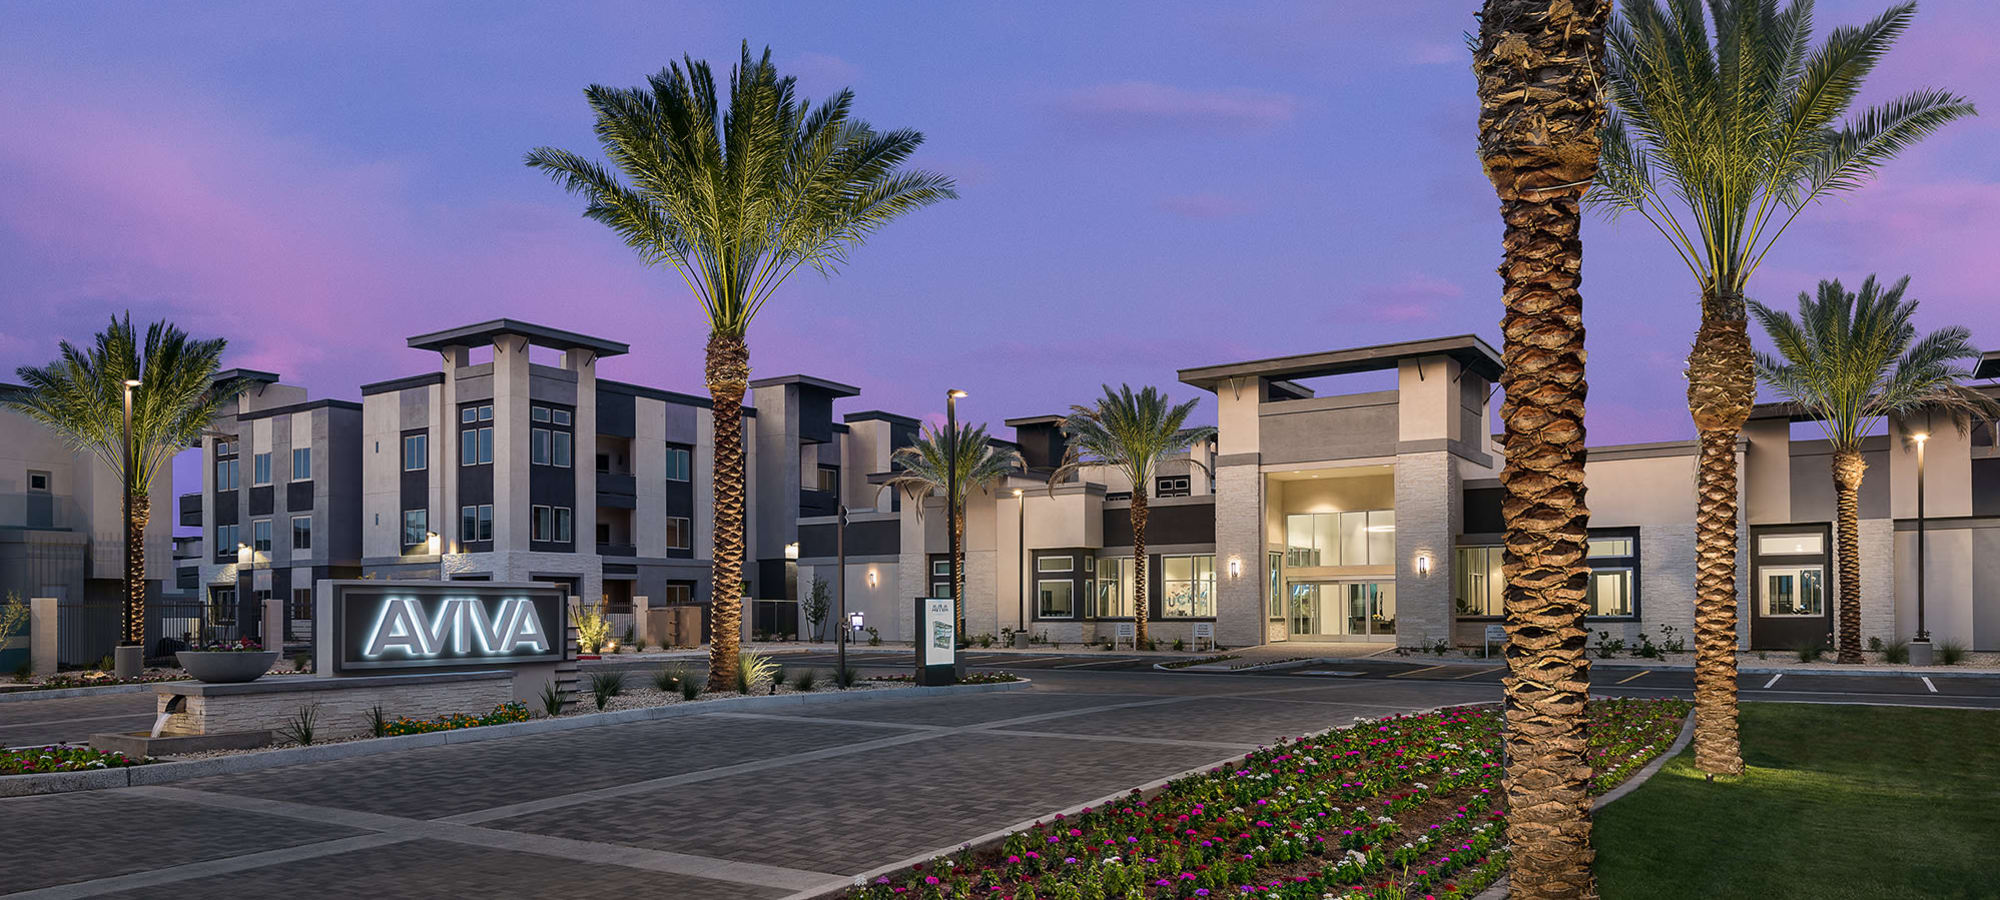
{"x":1470,"y":352}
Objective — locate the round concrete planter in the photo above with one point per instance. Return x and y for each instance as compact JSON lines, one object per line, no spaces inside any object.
{"x":226,"y":667}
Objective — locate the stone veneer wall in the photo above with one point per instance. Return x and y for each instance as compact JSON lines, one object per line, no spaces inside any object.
{"x":341,"y":712}
{"x":1239,"y":533}
{"x":1878,"y":580}
{"x":1427,"y":521}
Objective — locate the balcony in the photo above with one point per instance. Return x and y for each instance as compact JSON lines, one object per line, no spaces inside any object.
{"x":617,"y":550}
{"x":617,"y":491}
{"x":191,"y":509}
{"x":818,"y":503}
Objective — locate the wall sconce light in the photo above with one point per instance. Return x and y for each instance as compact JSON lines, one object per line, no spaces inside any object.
{"x":871,"y":579}
{"x":1235,"y":567}
{"x":1423,"y":565}
{"x":433,"y":544}
{"x":792,"y":550}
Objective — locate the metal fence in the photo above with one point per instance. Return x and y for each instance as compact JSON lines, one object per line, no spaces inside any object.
{"x":177,"y":623}
{"x":87,"y":630}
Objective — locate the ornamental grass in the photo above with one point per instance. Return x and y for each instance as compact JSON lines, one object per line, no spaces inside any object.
{"x":1402,"y":807}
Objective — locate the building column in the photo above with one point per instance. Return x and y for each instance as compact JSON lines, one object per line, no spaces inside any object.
{"x":1239,"y":536}
{"x":1429,"y":507}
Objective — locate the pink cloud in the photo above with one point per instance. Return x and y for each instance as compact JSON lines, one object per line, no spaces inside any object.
{"x":1144,"y":107}
{"x":1417,"y":298}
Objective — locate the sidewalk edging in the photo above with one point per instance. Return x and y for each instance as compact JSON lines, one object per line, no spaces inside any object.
{"x":168,"y":772}
{"x":102,"y":690}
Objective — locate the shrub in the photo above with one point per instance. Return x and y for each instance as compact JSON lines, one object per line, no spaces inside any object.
{"x":606,"y":685}
{"x":874,"y":636}
{"x":753,"y":669}
{"x":30,"y":760}
{"x":552,"y":700}
{"x":1810,"y":651}
{"x":592,"y":628}
{"x":302,"y":662}
{"x":805,"y":680}
{"x":1897,"y":653}
{"x":690,"y":687}
{"x":1179,"y":645}
{"x":846,"y":678}
{"x":1875,"y":643}
{"x":1669,"y":642}
{"x":1608,"y":646}
{"x":501,"y":715}
{"x":668,"y":679}
{"x":300,"y":727}
{"x":1950,"y":653}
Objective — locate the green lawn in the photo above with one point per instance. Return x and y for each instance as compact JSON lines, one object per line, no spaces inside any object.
{"x":1839,"y":802}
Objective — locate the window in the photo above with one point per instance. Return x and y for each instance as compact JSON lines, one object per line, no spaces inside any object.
{"x":542,"y":523}
{"x":226,"y":539}
{"x":1055,"y":599}
{"x":1170,"y":486}
{"x":302,"y":532}
{"x":562,"y":417}
{"x":539,"y":414}
{"x":416,"y":528}
{"x":302,"y":463}
{"x":260,"y":468}
{"x":221,"y":606}
{"x":1614,"y":562}
{"x":1274,"y":601}
{"x":565,"y":525}
{"x":260,"y":535}
{"x":678,"y":594}
{"x":1358,"y":538}
{"x":225,"y":448}
{"x":677,"y":463}
{"x":416,"y":452}
{"x":940,"y":576}
{"x":1187,"y":587}
{"x":679,"y":533}
{"x":1055,"y":564}
{"x":1794,"y":591}
{"x":1114,"y":588}
{"x":1812,"y":544}
{"x":563,"y":449}
{"x":829,"y":479}
{"x":225,"y":474}
{"x":38,"y":482}
{"x":302,"y":604}
{"x":475,"y":523}
{"x":475,"y":446}
{"x":1479,"y":589}
{"x":539,"y":446}
{"x":1113,"y":496}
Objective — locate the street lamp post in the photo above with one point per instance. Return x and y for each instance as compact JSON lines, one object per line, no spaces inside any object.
{"x":840,"y":591}
{"x":1021,"y":566}
{"x":130,"y":655}
{"x":951,"y":501}
{"x":1920,"y":648}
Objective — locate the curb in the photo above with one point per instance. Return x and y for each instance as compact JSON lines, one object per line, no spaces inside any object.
{"x":1278,"y":664}
{"x":98,"y":691}
{"x":166,"y":773}
{"x":1499,"y":890}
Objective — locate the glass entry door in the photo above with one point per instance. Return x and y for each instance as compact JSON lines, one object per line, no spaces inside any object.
{"x":1342,"y":610}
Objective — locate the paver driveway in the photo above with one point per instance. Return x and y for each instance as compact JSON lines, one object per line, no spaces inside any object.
{"x":725,"y":805}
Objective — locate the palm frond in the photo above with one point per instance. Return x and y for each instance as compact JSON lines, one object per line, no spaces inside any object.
{"x":1129,"y":432}
{"x":925,"y":466}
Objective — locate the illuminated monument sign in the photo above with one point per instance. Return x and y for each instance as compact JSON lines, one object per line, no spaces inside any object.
{"x":389,"y":625}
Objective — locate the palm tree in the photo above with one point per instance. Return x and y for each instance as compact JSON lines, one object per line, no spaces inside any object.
{"x":1742,"y":135}
{"x":1129,"y":433}
{"x":736,"y":202}
{"x":924,"y":468}
{"x":1539,"y":66}
{"x":81,"y":397}
{"x":1850,"y":360}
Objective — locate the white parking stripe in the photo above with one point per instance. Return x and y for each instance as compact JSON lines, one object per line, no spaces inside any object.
{"x":1928,"y":684}
{"x":1774,"y":680}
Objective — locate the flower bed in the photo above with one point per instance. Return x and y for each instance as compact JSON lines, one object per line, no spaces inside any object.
{"x":501,"y":715}
{"x":970,"y":678}
{"x":1402,"y":807}
{"x":63,"y":759}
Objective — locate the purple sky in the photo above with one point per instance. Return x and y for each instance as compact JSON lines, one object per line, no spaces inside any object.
{"x":1146,"y":186}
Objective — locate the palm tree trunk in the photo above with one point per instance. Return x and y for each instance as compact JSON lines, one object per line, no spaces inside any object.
{"x":1721,"y":388}
{"x":1538,"y":66}
{"x":1848,"y":467}
{"x":135,"y":572}
{"x":1139,"y":567}
{"x":728,"y":376}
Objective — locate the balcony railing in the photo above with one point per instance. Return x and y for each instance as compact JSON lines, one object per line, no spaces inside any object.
{"x":617,"y":550}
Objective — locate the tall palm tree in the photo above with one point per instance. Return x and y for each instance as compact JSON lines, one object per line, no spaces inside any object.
{"x":1850,"y":360}
{"x":81,"y":397}
{"x":1130,"y":433}
{"x":736,"y":202}
{"x":1539,"y":66}
{"x":924,"y":467}
{"x":1739,"y":137}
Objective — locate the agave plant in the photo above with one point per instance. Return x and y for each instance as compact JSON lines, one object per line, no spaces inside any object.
{"x":735,"y":203}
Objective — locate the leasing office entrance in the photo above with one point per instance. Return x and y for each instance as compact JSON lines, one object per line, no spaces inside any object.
{"x":1341,"y":610}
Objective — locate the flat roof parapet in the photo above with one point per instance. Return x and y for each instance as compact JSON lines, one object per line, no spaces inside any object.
{"x":1469,"y":350}
{"x":831,"y":387}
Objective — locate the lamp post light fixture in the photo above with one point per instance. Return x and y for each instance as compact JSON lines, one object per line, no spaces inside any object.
{"x":840,"y":589}
{"x":1021,"y":563}
{"x":1920,"y":647}
{"x":244,"y":550}
{"x":951,"y":502}
{"x":130,"y":654}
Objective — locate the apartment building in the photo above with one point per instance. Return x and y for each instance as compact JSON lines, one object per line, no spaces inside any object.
{"x":279,"y":506}
{"x":62,"y":533}
{"x":498,"y":467}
